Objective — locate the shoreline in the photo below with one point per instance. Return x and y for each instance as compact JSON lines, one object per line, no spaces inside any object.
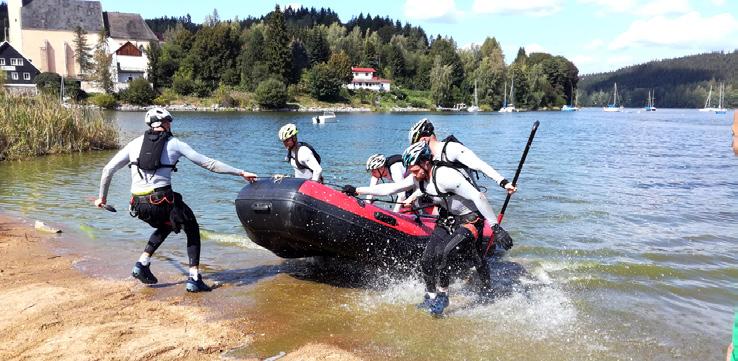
{"x":56,"y":312}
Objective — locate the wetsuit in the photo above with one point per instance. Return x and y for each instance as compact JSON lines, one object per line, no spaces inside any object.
{"x":462,"y":203}
{"x":305,"y":164}
{"x":396,"y":175}
{"x":153,"y":200}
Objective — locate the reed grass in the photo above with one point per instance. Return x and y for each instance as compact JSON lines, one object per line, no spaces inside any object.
{"x":36,"y":126}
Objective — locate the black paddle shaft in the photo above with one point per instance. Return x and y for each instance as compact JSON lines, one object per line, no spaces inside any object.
{"x":520,"y":167}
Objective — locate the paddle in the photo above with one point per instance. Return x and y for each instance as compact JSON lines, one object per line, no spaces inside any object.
{"x":514,"y":182}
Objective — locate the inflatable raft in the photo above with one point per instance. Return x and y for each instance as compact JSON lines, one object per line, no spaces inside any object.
{"x":297,"y":218}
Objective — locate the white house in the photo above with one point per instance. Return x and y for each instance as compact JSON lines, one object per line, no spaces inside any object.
{"x":364,"y":79}
{"x":128,"y":63}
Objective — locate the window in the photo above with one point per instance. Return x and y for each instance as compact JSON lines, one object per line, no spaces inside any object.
{"x":26,"y":76}
{"x":16,"y":61}
{"x":14,"y":75}
{"x":130,"y":78}
{"x":2,"y":61}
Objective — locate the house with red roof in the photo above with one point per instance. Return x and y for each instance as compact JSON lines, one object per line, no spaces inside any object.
{"x":364,"y":79}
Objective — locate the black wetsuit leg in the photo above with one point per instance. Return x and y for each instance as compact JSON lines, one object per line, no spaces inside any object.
{"x":429,"y":261}
{"x":156,"y":239}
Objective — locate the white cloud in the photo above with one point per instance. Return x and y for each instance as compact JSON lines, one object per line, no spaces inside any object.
{"x":526,"y":7}
{"x":688,"y":31}
{"x":645,"y":8}
{"x":663,"y":7}
{"x":582,"y":60}
{"x":432,"y":10}
{"x":618,"y":6}
{"x":534,"y":48}
{"x":594,"y":44}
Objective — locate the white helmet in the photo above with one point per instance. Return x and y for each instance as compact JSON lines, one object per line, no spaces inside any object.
{"x":288,"y":131}
{"x":376,"y":161}
{"x":422,"y":128}
{"x":416,"y":153}
{"x":156,"y":115}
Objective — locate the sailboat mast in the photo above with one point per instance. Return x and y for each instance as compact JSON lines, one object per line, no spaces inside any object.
{"x":476,"y":100}
{"x":504,"y":90}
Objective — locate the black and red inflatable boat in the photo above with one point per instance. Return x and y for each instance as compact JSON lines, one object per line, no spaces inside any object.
{"x":297,"y":218}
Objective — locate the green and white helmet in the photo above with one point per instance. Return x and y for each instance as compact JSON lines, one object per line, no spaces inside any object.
{"x":416,"y":153}
{"x":422,"y":128}
{"x":376,"y":161}
{"x":288,"y":131}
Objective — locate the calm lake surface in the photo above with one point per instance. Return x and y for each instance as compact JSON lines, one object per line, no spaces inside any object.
{"x":626,"y":242}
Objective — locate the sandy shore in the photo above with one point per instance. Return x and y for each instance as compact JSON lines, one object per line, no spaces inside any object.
{"x":51,"y":311}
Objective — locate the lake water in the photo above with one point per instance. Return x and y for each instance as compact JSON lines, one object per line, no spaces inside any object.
{"x":624,"y":225}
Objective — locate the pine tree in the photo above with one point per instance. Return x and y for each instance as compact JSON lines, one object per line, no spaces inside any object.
{"x":277,"y":52}
{"x":101,"y":69}
{"x":153,"y":53}
{"x":82,"y":51}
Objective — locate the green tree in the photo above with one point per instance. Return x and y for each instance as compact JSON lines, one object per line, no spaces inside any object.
{"x":139,"y":92}
{"x":272,"y":94}
{"x":441,"y":83}
{"x":317,"y":46}
{"x":323,"y":83}
{"x":446,"y":50}
{"x":300,"y":61}
{"x":522,"y":57}
{"x":491,"y":49}
{"x":154,"y":56}
{"x":277,"y":52}
{"x":82,"y":50}
{"x":253,"y":68}
{"x":340,"y":65}
{"x":214,"y":50}
{"x":101,"y":70}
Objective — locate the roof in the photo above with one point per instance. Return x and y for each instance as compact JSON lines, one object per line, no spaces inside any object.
{"x":62,"y":15}
{"x":363,"y":70}
{"x":127,"y":26}
{"x":6,"y":47}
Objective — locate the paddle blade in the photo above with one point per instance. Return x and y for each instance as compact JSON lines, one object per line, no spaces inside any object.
{"x":109,"y":208}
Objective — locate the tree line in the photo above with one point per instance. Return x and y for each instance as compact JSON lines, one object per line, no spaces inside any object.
{"x":311,"y":52}
{"x":683,"y":82}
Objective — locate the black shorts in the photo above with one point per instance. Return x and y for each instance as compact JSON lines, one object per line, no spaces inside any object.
{"x":163,"y":209}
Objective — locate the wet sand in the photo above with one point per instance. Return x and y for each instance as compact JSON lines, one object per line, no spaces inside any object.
{"x":51,"y":311}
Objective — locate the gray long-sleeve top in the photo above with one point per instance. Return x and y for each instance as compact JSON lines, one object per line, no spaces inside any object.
{"x":174,"y":149}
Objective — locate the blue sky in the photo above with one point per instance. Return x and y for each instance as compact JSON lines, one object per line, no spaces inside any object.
{"x":598,"y":35}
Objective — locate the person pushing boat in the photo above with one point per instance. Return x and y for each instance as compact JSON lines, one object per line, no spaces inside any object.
{"x":458,"y":230}
{"x":302,"y":156}
{"x":384,"y":168}
{"x":152,"y":158}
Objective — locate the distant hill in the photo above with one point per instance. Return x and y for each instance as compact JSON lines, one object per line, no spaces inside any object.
{"x":678,"y":83}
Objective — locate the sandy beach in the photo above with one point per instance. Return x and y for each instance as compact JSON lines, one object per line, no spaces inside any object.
{"x":51,"y":311}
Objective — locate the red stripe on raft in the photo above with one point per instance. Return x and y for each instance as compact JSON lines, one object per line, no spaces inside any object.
{"x":405,"y":223}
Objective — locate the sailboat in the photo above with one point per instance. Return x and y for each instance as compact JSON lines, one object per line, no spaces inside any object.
{"x":720,"y":109}
{"x":509,"y":107}
{"x":614,"y":106}
{"x":475,"y":107}
{"x":707,"y":107}
{"x":573,"y":107}
{"x":649,"y":104}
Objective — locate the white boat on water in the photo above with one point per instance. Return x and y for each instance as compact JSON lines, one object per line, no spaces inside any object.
{"x":573,"y":107}
{"x":456,"y":108}
{"x":475,"y":107}
{"x":721,"y":99}
{"x":649,"y":103}
{"x":708,"y":107}
{"x":612,"y":108}
{"x":327,"y":117}
{"x":508,"y":107}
